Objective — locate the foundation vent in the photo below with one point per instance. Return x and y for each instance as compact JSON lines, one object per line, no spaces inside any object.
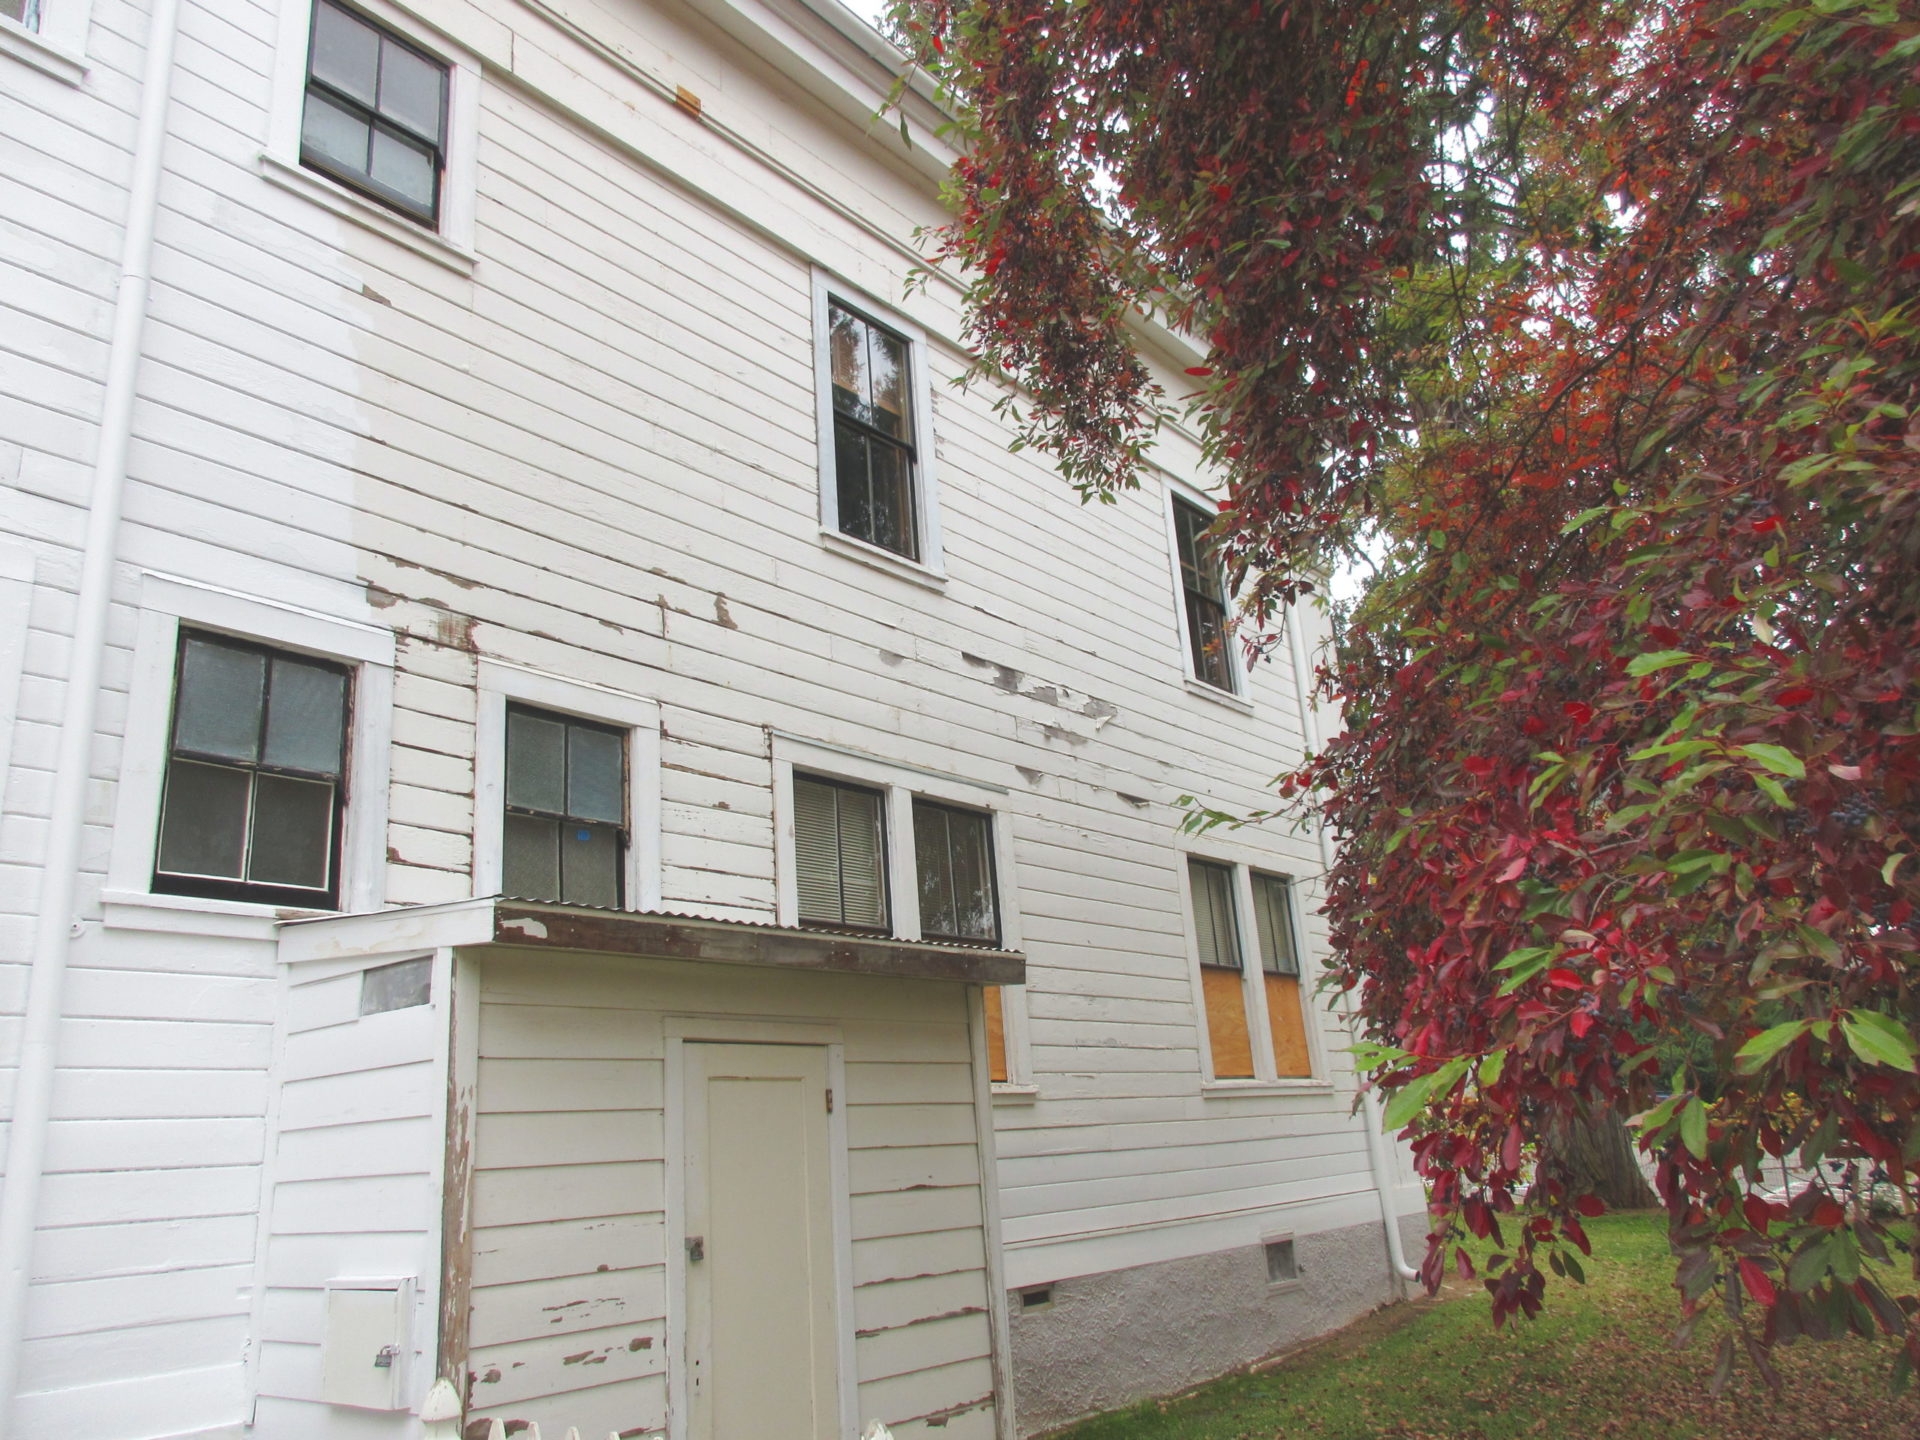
{"x":1282,"y":1267}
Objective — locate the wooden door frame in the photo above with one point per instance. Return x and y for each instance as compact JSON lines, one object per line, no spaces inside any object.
{"x":678,"y":1031}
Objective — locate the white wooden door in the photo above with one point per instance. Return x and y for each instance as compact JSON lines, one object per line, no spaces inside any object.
{"x":762,"y":1338}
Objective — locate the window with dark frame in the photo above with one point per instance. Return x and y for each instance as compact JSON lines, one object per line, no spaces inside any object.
{"x":953,"y":855}
{"x":375,"y":117}
{"x":564,"y":838}
{"x":874,"y":456}
{"x":1205,"y":590}
{"x":256,"y":764}
{"x":839,"y":854}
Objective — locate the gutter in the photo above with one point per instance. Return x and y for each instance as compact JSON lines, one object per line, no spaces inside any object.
{"x":55,"y":925}
{"x":1378,"y":1160}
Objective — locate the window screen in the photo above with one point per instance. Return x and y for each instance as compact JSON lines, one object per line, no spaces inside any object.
{"x":953,"y":851}
{"x":376,"y":112}
{"x":873,"y":441}
{"x":564,"y":837}
{"x":1205,"y":593}
{"x":252,"y":802}
{"x":839,"y":854}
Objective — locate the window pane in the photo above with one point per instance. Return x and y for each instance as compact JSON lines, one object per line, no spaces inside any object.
{"x":973,"y":877}
{"x":334,"y":134}
{"x":217,"y":711}
{"x":863,"y":887}
{"x":1207,"y":634}
{"x":590,"y":865}
{"x":530,"y":862}
{"x":852,"y":483}
{"x":536,"y":762}
{"x":1219,"y":940}
{"x":594,"y":775}
{"x":887,"y":357}
{"x":411,"y":90}
{"x":18,"y":11}
{"x":816,"y":851}
{"x":892,"y":514}
{"x":931,"y":858}
{"x":292,"y":832}
{"x":346,"y":52}
{"x":404,"y":167}
{"x":847,"y":351}
{"x":306,"y":717}
{"x":1271,"y":921}
{"x":203,"y":824}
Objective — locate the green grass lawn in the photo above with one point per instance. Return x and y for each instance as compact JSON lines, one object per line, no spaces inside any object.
{"x":1599,"y":1361}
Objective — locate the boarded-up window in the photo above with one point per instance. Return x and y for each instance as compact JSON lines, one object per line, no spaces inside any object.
{"x":564,"y":836}
{"x":1280,"y":973}
{"x":953,"y":853}
{"x":1222,"y":983}
{"x":839,"y":854}
{"x":996,"y":1036}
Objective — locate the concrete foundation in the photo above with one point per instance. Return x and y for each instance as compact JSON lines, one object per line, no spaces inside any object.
{"x":1111,"y":1339}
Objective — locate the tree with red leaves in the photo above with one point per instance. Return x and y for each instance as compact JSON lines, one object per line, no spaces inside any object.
{"x":1600,"y":317}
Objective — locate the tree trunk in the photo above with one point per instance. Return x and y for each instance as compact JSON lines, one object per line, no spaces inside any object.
{"x":1596,"y":1156}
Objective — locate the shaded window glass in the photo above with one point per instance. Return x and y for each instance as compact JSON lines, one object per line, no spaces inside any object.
{"x":953,"y":853}
{"x":873,"y":441}
{"x":1274,"y":926}
{"x":1218,"y":935}
{"x":839,"y":850}
{"x":252,"y":802}
{"x":21,"y":12}
{"x":564,"y":837}
{"x":376,"y":112}
{"x":1204,"y":589}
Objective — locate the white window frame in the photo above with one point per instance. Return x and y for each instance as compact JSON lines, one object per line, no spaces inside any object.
{"x":279,"y":162}
{"x":635,"y":716}
{"x":1253,"y":989}
{"x":930,"y":568}
{"x":900,"y":784}
{"x":1236,"y":698}
{"x":56,"y":43}
{"x":167,"y":603}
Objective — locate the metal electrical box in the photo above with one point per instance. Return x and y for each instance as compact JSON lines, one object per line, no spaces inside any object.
{"x":363,"y":1355}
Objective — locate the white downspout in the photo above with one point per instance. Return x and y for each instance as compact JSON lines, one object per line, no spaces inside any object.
{"x":55,"y":923}
{"x":1378,"y":1161}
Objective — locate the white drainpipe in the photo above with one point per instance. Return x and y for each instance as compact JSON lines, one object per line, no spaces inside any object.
{"x":55,"y":924}
{"x":1378,"y":1160}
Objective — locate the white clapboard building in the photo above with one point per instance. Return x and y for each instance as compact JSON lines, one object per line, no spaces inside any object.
{"x":583,"y":845}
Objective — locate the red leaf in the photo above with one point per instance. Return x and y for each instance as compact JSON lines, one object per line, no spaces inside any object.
{"x":1478,"y":765}
{"x":1590,"y":1205}
{"x":1798,"y":695}
{"x":1514,"y":870}
{"x":1577,"y":711}
{"x":1510,"y":1149}
{"x":1756,"y":1281}
{"x":1829,"y":1215}
{"x":1757,"y":1211}
{"x":1563,"y":979}
{"x":1766,"y":526}
{"x":1199,"y":369}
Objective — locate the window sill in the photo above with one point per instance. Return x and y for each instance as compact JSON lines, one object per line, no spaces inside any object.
{"x":329,"y":195}
{"x":892,"y":564}
{"x":192,"y":915}
{"x":1218,"y":696}
{"x":32,"y":48}
{"x":1217,"y":1089}
{"x":1010,"y":1094}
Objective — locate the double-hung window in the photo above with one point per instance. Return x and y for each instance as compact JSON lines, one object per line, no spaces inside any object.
{"x":1204,"y":593}
{"x":840,"y":854}
{"x":1230,"y":968}
{"x":564,"y":837}
{"x":953,"y":855}
{"x":255,"y":775}
{"x":874,"y":446}
{"x":375,"y":116}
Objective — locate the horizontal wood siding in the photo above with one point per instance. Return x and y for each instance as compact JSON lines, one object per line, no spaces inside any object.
{"x":569,"y":1204}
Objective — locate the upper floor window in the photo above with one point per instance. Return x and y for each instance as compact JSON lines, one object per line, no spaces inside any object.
{"x":254,"y":788}
{"x":873,"y":439}
{"x":564,"y":837}
{"x":840,"y":853}
{"x":1205,"y":592}
{"x":375,"y":116}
